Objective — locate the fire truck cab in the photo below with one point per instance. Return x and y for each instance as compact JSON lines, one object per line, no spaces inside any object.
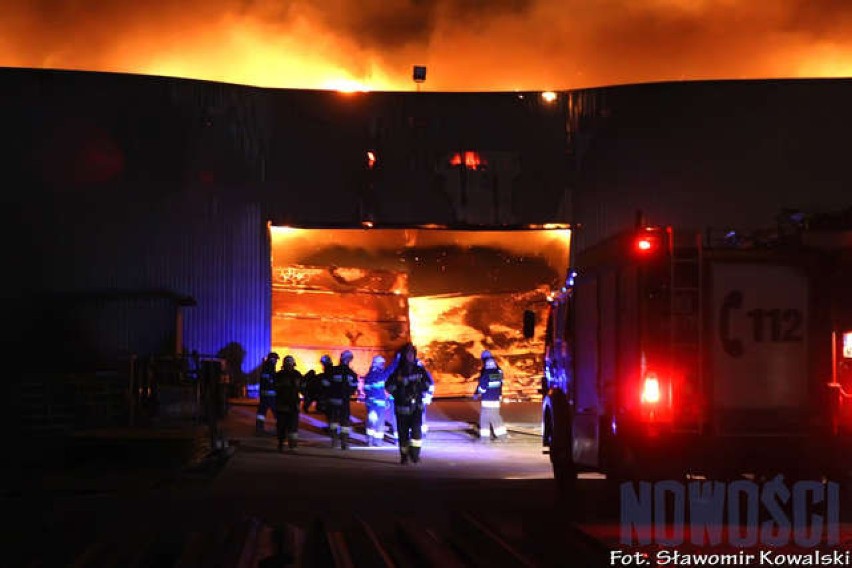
{"x":668,"y":354}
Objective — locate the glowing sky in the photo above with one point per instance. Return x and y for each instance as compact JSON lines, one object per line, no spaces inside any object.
{"x":466,"y":44}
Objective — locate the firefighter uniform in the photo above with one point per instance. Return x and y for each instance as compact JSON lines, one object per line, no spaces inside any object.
{"x":267,"y":392}
{"x":321,"y":382}
{"x":288,"y":388}
{"x":340,"y":384}
{"x":390,"y":421}
{"x":376,"y":401}
{"x":409,"y":384}
{"x":490,"y":392}
{"x":313,"y":389}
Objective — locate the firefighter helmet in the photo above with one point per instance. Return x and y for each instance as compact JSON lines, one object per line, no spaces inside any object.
{"x":486,"y":354}
{"x":272,"y":355}
{"x":326,"y":360}
{"x":378,"y":362}
{"x":290,"y":360}
{"x":346,"y":356}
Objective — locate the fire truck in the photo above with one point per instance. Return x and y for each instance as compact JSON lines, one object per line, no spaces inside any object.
{"x":670,"y":353}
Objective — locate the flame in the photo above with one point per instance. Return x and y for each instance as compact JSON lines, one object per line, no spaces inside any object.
{"x":346,"y":86}
{"x":472,"y":160}
{"x":347,"y":289}
{"x":353,"y":47}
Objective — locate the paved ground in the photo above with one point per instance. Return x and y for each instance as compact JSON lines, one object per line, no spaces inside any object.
{"x":124,"y":460}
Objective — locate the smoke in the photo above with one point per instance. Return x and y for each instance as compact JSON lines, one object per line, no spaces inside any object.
{"x":465,"y":44}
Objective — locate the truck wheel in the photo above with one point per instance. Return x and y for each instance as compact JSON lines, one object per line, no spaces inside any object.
{"x":565,"y":475}
{"x":564,"y":468}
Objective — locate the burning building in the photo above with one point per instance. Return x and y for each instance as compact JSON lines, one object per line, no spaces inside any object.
{"x":138,"y":187}
{"x":452,"y":293}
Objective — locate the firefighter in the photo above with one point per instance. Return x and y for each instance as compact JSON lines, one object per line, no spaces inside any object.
{"x":342,"y":382}
{"x":409,"y":384}
{"x":390,"y":415}
{"x":267,"y":392}
{"x":490,"y":392}
{"x":313,"y":386}
{"x":376,"y":401}
{"x":327,"y":365}
{"x":288,"y":388}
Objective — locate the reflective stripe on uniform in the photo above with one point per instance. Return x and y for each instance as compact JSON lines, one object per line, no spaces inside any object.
{"x":333,"y":425}
{"x":484,"y":432}
{"x":372,"y":433}
{"x":415,"y":443}
{"x":495,"y":383}
{"x":500,"y":431}
{"x":490,"y":404}
{"x":268,"y":393}
{"x":261,"y":417}
{"x":372,"y":416}
{"x":345,"y":429}
{"x":293,"y":435}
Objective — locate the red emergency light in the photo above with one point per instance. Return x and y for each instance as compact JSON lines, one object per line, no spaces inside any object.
{"x":651,"y":389}
{"x":647,"y":242}
{"x":655,"y":396}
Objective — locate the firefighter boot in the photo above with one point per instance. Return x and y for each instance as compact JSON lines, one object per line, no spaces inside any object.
{"x":344,"y":441}
{"x":334,"y":438}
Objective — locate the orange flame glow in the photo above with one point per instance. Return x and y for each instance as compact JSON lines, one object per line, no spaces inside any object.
{"x":384,"y":288}
{"x":349,"y":46}
{"x":472,"y":160}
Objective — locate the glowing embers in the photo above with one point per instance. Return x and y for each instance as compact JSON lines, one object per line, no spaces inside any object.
{"x":451,"y":292}
{"x":451,"y":330}
{"x":317,"y":310}
{"x":472,"y":160}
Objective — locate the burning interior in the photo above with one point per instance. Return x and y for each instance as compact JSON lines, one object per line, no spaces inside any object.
{"x":450,"y":292}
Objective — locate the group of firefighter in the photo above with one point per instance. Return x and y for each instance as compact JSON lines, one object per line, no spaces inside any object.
{"x":396,"y":394}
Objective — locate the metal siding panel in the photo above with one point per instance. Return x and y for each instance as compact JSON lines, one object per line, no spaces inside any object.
{"x":722,"y":154}
{"x":196,"y":246}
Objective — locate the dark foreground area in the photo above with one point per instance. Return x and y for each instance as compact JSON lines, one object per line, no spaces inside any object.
{"x":106,"y":499}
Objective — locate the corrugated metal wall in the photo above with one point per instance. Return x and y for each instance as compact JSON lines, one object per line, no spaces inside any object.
{"x":721,"y":154}
{"x":213,"y":250}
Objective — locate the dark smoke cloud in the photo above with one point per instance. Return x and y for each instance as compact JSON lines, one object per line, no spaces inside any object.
{"x":467,"y":44}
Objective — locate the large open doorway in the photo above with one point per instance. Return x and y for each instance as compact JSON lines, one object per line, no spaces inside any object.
{"x":451,"y":292}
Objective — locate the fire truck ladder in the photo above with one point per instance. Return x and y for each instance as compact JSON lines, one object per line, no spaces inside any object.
{"x":686,"y":330}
